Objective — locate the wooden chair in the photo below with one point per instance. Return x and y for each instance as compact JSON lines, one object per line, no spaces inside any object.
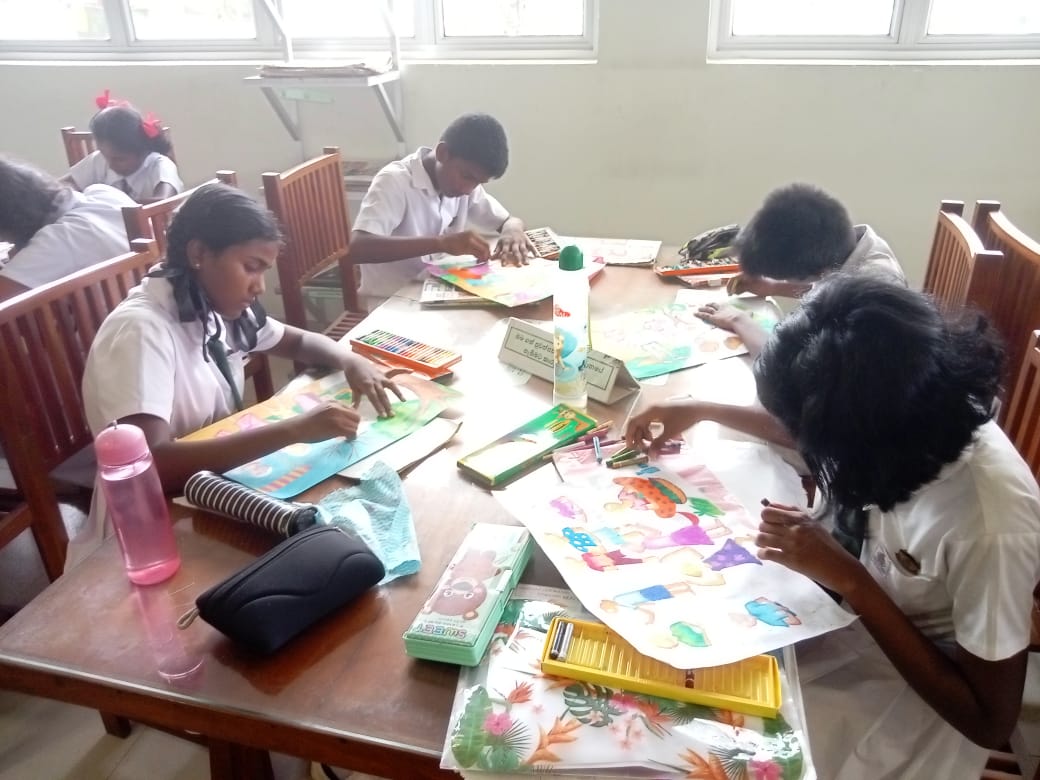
{"x":1017,"y":312}
{"x":961,"y":271}
{"x":151,"y":221}
{"x":311,"y":205}
{"x":45,"y":335}
{"x":80,"y":143}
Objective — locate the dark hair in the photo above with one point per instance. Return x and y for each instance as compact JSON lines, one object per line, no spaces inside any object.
{"x":878,"y":389}
{"x":479,"y":139}
{"x":123,"y":127}
{"x":798,"y":233}
{"x":220,"y":216}
{"x":28,"y":200}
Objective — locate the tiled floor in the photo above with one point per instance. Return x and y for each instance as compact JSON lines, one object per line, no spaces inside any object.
{"x":45,"y":740}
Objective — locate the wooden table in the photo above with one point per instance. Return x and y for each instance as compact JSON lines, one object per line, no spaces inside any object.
{"x":345,"y":693}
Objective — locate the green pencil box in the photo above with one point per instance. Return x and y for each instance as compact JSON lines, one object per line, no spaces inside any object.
{"x":508,"y":456}
{"x":456,"y":622}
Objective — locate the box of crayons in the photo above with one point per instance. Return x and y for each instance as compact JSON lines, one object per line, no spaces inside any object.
{"x":514,"y":453}
{"x":590,"y":651}
{"x":546,"y":243}
{"x":456,"y":622}
{"x":406,"y":352}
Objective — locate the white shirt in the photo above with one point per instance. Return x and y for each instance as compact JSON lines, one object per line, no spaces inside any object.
{"x":155,"y":170}
{"x":89,"y":228}
{"x":402,"y":201}
{"x":975,"y":533}
{"x":145,"y":361}
{"x":872,"y":254}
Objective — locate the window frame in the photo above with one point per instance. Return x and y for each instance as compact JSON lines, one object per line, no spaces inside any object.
{"x":907,"y":40}
{"x":429,"y":42}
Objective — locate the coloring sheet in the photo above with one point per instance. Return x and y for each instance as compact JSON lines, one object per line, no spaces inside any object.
{"x":510,"y":718}
{"x":616,"y":251}
{"x":509,"y":286}
{"x":293,"y":469}
{"x":667,"y":559}
{"x":669,"y":337}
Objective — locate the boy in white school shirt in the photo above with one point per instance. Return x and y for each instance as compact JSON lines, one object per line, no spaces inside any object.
{"x":433,"y":202}
{"x":55,"y":231}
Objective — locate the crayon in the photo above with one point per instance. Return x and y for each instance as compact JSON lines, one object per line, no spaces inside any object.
{"x":557,"y":640}
{"x":595,"y":446}
{"x":565,"y":645}
{"x":633,"y":461}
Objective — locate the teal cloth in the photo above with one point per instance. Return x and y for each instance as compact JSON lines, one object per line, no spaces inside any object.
{"x":377,"y":511}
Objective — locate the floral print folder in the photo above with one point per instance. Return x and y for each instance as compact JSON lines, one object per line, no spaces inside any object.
{"x":509,"y":719}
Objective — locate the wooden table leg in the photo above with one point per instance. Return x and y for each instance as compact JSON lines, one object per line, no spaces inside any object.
{"x":236,"y":762}
{"x":115,"y":725}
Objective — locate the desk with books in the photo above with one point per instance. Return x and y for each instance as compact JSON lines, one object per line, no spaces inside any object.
{"x":344,"y":693}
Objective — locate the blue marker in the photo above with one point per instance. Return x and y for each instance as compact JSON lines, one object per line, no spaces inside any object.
{"x":596,"y":449}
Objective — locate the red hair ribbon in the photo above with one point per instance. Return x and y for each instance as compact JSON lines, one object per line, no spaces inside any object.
{"x":104,"y":100}
{"x":151,"y":125}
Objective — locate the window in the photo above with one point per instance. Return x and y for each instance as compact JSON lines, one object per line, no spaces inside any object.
{"x":875,"y":29}
{"x":121,"y":29}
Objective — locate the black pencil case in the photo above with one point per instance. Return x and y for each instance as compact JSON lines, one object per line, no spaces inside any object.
{"x":296,"y":584}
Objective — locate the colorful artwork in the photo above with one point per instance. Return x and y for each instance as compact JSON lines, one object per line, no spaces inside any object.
{"x":293,"y":469}
{"x":509,"y":286}
{"x":665,"y":556}
{"x":661,"y":339}
{"x":508,"y":717}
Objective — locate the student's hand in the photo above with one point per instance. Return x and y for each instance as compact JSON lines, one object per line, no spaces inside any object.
{"x":790,"y":537}
{"x":366,"y":380}
{"x":468,"y":242}
{"x":326,"y":421}
{"x":746,"y":283}
{"x":513,"y":248}
{"x":669,"y":420}
{"x":723,"y":315}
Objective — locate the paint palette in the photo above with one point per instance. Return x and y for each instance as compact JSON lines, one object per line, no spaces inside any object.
{"x":590,"y":651}
{"x":405,"y":351}
{"x":546,"y":244}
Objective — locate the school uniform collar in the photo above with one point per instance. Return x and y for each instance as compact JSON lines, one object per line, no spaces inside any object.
{"x":420,"y":176}
{"x":66,"y":201}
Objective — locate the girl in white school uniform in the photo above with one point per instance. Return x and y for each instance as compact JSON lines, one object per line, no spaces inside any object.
{"x":936,"y":542}
{"x":170,"y":358}
{"x":54,"y":230}
{"x":131,"y":154}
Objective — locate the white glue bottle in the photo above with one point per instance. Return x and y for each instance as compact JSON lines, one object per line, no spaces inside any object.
{"x":570,"y":330}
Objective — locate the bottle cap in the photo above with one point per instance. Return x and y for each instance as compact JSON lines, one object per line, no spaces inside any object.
{"x":571,"y":259}
{"x":120,"y":444}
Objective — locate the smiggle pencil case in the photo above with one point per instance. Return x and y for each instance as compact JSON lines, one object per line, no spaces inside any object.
{"x":279,"y":595}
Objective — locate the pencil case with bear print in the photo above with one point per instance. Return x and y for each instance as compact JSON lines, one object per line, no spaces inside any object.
{"x":456,"y":622}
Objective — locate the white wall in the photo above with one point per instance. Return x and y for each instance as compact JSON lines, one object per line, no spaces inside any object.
{"x":648,"y":142}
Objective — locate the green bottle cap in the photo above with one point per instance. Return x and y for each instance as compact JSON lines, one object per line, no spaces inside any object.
{"x":571,"y":259}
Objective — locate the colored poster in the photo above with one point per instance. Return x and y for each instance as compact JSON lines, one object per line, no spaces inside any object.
{"x":670,"y":337}
{"x":298,"y":467}
{"x":667,"y":559}
{"x":513,"y":286}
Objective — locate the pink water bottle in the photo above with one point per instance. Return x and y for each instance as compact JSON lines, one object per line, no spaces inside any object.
{"x":136,"y":504}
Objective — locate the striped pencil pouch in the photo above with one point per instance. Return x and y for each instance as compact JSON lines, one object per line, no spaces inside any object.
{"x":213,"y":493}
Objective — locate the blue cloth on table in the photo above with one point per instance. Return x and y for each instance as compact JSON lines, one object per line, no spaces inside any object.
{"x":377,"y":511}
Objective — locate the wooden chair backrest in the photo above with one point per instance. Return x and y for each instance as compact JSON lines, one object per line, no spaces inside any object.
{"x":1017,"y":312}
{"x":45,"y":336}
{"x":310,"y":203}
{"x":151,"y":220}
{"x":1022,"y":421}
{"x":80,"y":143}
{"x":961,"y":271}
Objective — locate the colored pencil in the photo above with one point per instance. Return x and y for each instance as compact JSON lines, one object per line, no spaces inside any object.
{"x":633,"y":461}
{"x":599,"y":452}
